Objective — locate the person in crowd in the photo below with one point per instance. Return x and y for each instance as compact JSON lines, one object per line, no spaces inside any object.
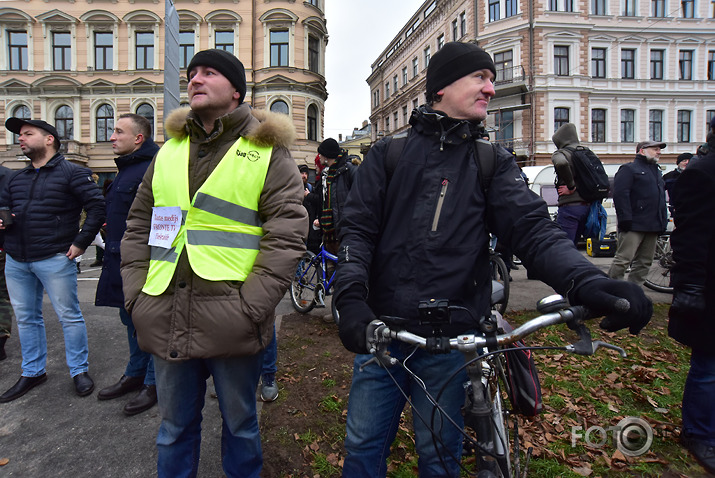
{"x":132,"y":141}
{"x":337,"y":182}
{"x":692,"y":313}
{"x":639,"y":198}
{"x":573,"y":209}
{"x":5,"y":306}
{"x":670,"y":178}
{"x":269,"y":386}
{"x":304,"y":173}
{"x":422,"y":234}
{"x":49,"y":193}
{"x":204,"y":262}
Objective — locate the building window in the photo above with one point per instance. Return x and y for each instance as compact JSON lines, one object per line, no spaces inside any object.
{"x":404,"y":115}
{"x":427,"y":56}
{"x":598,"y":126}
{"x":404,"y":76}
{"x":17,"y":50}
{"x":598,"y":7}
{"x":561,"y":60}
{"x":686,"y":64}
{"x":394,"y":83}
{"x":387,"y":90}
{"x":415,"y":67}
{"x":186,"y":48}
{"x":505,"y":130}
{"x":629,"y":8}
{"x":711,"y":65}
{"x":628,"y":125}
{"x":394,"y":117}
{"x":376,"y":98}
{"x":313,"y":54}
{"x":628,"y":64}
{"x":61,"y":51}
{"x":312,"y":123}
{"x":683,"y":126}
{"x":145,"y":50}
{"x":415,"y":103}
{"x":146,"y":110}
{"x":554,"y":5}
{"x":656,"y":64}
{"x":387,"y":123}
{"x":22,"y":112}
{"x":504,"y":64}
{"x":279,"y":47}
{"x":314,"y":3}
{"x":493,"y":10}
{"x":708,"y":117}
{"x":512,"y":7}
{"x":64,"y":122}
{"x":440,"y":41}
{"x":655,"y":125}
{"x":455,"y":34}
{"x":561,"y":117}
{"x":463,"y":24}
{"x":224,"y":41}
{"x":103,"y":51}
{"x":105,"y":123}
{"x":658,"y":11}
{"x":598,"y":63}
{"x":688,"y":8}
{"x":279,"y":106}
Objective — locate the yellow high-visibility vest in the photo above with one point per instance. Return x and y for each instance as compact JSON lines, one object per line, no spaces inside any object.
{"x":221,"y":229}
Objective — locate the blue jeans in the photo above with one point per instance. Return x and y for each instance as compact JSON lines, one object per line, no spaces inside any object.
{"x":181,"y":389}
{"x":376,"y":404}
{"x":25,"y":283}
{"x":572,"y":220}
{"x":270,"y":356}
{"x":140,"y":362}
{"x":698,"y":405}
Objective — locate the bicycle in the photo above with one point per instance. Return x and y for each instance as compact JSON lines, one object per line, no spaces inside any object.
{"x":311,"y":284}
{"x":658,"y":278}
{"x":486,"y":418}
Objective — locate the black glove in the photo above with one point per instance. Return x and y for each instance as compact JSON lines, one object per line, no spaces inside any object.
{"x":625,"y":226}
{"x":688,"y":301}
{"x":603,"y":296}
{"x":355,"y":315}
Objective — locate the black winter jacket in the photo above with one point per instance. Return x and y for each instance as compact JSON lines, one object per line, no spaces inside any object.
{"x":639,"y":196}
{"x":120,"y":196}
{"x":424,"y":235}
{"x":47,"y":203}
{"x":340,"y":188}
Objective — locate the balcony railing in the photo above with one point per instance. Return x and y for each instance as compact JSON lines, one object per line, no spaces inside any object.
{"x":513,"y":74}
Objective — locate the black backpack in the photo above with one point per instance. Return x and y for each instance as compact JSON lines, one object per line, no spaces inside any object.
{"x":590,"y":176}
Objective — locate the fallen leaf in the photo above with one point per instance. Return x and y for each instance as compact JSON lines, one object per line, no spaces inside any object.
{"x":584,"y":470}
{"x":4,"y":461}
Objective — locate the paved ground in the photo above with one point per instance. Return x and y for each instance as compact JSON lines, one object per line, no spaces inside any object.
{"x":51,"y":432}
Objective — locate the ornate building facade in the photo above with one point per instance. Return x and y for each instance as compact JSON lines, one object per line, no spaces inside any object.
{"x":621,"y":70}
{"x":79,"y":64}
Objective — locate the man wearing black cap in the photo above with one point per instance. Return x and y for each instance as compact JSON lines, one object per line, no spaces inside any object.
{"x":213,"y":238}
{"x":670,"y":178}
{"x":639,"y":198}
{"x":421,"y":233}
{"x":337,"y":181}
{"x":46,"y":199}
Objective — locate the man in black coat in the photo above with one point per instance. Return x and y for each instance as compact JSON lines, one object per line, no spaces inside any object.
{"x":132,"y":141}
{"x":639,"y":197}
{"x":692,"y":313}
{"x":338,"y":179}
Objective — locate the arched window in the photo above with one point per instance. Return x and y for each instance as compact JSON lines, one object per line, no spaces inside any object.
{"x":64,"y":122}
{"x":312,"y":123}
{"x":105,"y":122}
{"x":146,"y":110}
{"x":22,"y":112}
{"x":279,"y":106}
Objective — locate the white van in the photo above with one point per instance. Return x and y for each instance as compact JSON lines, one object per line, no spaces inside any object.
{"x":541,"y":181}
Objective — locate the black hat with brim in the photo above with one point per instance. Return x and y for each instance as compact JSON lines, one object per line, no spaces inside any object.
{"x":15,"y":125}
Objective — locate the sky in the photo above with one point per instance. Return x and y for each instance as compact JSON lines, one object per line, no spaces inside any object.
{"x":357,"y":33}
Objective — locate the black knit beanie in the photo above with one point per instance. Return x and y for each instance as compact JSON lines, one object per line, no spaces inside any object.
{"x":225,"y":63}
{"x":453,"y":61}
{"x":329,"y":148}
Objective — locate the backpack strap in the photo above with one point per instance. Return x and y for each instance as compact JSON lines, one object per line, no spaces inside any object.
{"x":394,"y":151}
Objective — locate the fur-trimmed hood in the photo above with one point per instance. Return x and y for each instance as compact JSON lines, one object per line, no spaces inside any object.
{"x":259,"y":126}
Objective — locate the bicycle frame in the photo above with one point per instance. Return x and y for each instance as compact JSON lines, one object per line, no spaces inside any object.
{"x":310,"y":283}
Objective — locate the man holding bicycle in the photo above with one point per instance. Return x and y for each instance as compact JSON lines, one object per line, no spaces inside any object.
{"x":421,"y":231}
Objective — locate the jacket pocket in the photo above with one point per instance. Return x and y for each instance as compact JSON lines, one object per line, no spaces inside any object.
{"x":440,"y":203}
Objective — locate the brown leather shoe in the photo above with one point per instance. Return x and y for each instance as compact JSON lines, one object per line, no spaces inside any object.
{"x":21,"y":387}
{"x":145,"y":399}
{"x":122,"y":387}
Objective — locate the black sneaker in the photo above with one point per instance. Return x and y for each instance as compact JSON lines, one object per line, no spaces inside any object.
{"x":703,"y":453}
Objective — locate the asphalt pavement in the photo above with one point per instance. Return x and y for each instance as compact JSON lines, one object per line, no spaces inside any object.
{"x":51,"y":432}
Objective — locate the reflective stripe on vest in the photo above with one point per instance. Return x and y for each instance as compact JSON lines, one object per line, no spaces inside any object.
{"x":221,"y":228}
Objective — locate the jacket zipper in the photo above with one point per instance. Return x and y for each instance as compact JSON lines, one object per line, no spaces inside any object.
{"x":31,"y":197}
{"x":440,"y":202}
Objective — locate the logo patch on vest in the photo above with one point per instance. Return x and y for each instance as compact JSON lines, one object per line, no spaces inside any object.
{"x":252,"y":156}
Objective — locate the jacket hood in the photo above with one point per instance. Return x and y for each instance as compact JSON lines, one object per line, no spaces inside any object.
{"x":565,"y":136}
{"x":146,"y":152}
{"x":428,"y":121}
{"x":259,"y":126}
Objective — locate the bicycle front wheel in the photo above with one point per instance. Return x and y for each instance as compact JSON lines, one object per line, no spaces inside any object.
{"x":658,"y":278}
{"x":500,"y":273}
{"x":304,"y":283}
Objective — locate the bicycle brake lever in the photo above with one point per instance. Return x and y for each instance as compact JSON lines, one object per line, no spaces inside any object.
{"x":377,"y":345}
{"x":589,"y":347}
{"x":606,"y":345}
